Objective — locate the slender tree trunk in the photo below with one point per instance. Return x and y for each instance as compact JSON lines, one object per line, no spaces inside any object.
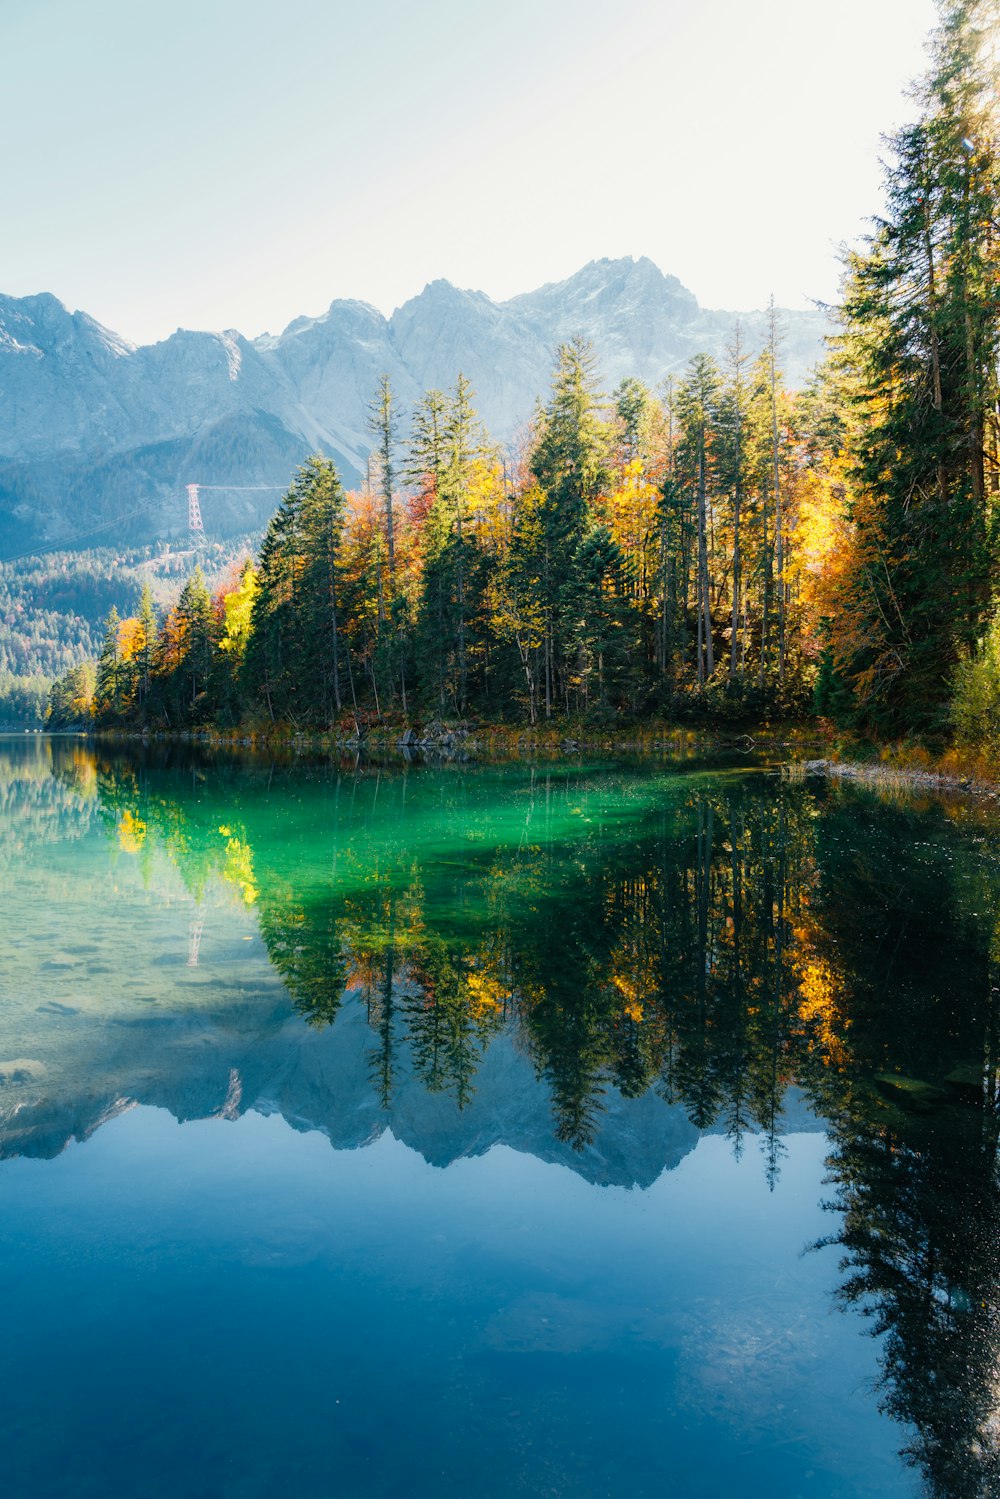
{"x":382,"y":424}
{"x":462,"y":674}
{"x":701,"y":629}
{"x":548,"y":639}
{"x":734,"y":626}
{"x":932,"y":319}
{"x":973,"y":373}
{"x":354,"y":697}
{"x":737,"y":367}
{"x":525,"y":654}
{"x":779,"y":538}
{"x":706,"y":655}
{"x":765,"y":653}
{"x":334,"y":641}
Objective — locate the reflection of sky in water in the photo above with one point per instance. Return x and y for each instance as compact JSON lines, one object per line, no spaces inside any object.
{"x":234,"y":1308}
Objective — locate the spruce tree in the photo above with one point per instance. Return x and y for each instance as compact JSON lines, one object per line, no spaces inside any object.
{"x":107,"y":686}
{"x":297,"y":651}
{"x":919,"y":349}
{"x":569,"y":463}
{"x":448,"y":440}
{"x":382,"y":424}
{"x":147,"y":651}
{"x":697,"y":397}
{"x":192,"y":676}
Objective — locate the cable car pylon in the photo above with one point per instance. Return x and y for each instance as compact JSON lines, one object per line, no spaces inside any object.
{"x":196,"y":526}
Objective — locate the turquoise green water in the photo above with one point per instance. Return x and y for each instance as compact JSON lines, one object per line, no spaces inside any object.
{"x":576,"y":1129}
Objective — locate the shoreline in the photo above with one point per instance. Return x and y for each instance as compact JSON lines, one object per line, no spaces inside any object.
{"x":890,"y":777}
{"x":445,"y":742}
{"x":949,"y":774}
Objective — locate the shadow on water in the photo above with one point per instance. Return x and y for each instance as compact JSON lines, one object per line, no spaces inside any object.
{"x":735,"y":946}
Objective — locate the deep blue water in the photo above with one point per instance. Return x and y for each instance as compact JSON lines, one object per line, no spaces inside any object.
{"x":233,"y":1308}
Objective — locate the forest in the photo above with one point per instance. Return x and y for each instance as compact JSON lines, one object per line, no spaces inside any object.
{"x":717,"y":549}
{"x":53,"y":604}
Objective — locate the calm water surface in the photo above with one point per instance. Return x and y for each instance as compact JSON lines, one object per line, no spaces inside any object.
{"x":555,"y":1130}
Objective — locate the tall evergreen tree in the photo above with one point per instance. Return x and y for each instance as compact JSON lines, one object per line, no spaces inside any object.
{"x":448,"y":441}
{"x":107,"y":686}
{"x":147,"y":650}
{"x":920,"y":342}
{"x":732,"y":423}
{"x":297,"y":648}
{"x":569,"y":463}
{"x":382,"y":424}
{"x":197,"y":637}
{"x":697,"y":398}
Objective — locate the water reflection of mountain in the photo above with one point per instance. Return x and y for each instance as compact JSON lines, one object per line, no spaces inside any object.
{"x":322,"y":1081}
{"x":594,"y":966}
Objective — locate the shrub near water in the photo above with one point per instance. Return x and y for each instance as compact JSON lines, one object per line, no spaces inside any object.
{"x":976,"y":699}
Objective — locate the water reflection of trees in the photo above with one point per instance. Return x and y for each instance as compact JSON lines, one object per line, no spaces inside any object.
{"x":659,"y":954}
{"x":914,"y":1105}
{"x":719,"y":946}
{"x":919,"y":1204}
{"x":37,"y":805}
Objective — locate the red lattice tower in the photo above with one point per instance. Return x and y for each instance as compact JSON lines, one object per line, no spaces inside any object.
{"x":195,"y":523}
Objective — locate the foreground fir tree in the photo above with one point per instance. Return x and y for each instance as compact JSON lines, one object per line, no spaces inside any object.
{"x":919,"y":350}
{"x":297,"y":661}
{"x":448,"y":454}
{"x":108,"y":677}
{"x":569,"y":464}
{"x":71,"y":699}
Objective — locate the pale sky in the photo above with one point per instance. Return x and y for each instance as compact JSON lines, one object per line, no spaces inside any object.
{"x":236,"y":163}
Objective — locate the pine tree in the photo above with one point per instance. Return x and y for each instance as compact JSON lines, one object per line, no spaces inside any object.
{"x":196,"y":620}
{"x":632,"y":401}
{"x":448,"y":443}
{"x":147,"y":650}
{"x":323,"y":506}
{"x":428,"y":446}
{"x":382,"y":425}
{"x":696,"y":400}
{"x":297,"y":648}
{"x":569,"y":462}
{"x":732,"y":422}
{"x":921,"y":336}
{"x":107,"y":686}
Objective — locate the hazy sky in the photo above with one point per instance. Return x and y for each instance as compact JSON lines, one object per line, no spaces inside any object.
{"x":234,"y":163}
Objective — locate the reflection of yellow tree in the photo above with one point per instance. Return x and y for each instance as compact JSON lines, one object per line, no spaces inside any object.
{"x":131,"y":832}
{"x":143,"y":822}
{"x":237,"y":870}
{"x":824,"y":1025}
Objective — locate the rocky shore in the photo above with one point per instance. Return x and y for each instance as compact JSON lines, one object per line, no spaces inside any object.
{"x":902,"y":777}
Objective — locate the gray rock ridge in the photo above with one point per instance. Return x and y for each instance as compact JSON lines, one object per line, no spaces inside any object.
{"x":94,"y":429}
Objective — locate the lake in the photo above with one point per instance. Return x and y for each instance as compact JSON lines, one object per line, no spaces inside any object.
{"x":575,"y":1128}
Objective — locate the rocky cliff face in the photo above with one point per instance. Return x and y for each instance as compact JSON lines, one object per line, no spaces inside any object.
{"x":97,"y":433}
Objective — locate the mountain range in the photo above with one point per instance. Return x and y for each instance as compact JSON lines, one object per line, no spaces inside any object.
{"x":98,"y":437}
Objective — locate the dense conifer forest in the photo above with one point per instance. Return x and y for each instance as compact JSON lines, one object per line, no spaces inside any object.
{"x":716,"y":548}
{"x":53,"y":605}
